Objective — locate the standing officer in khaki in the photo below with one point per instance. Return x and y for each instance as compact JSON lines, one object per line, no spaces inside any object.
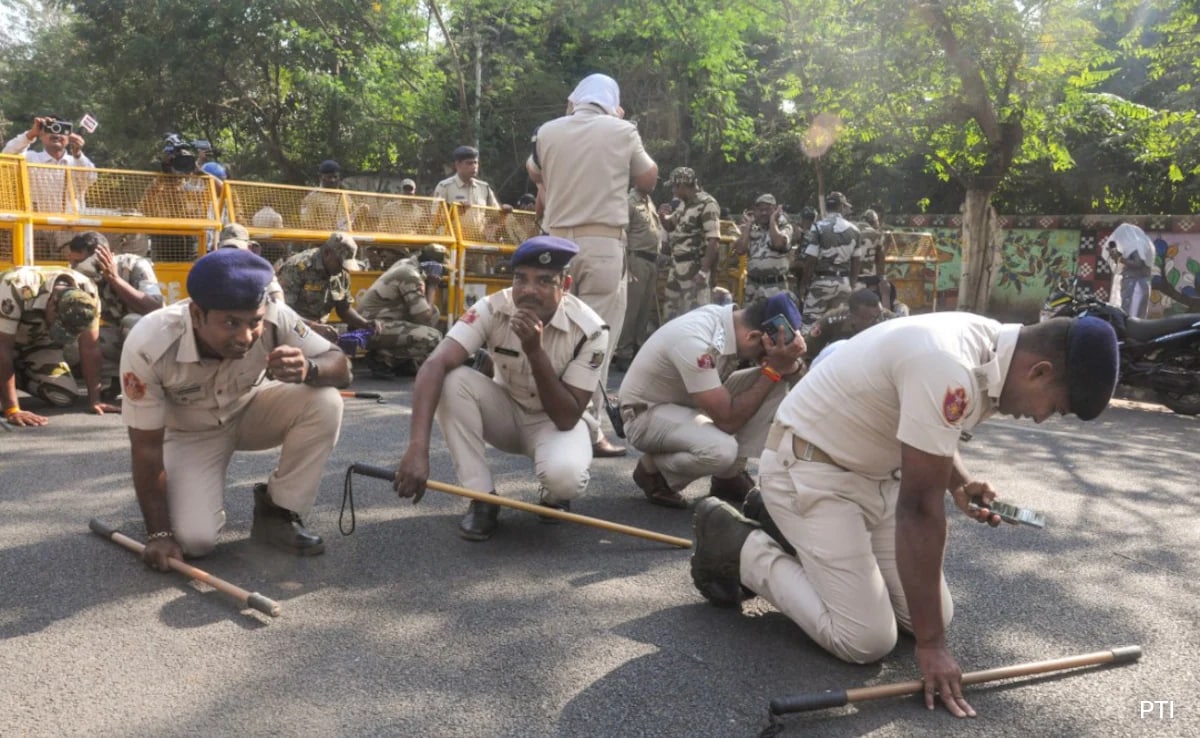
{"x":547,"y":347}
{"x":832,"y":259}
{"x":583,"y":162}
{"x":688,"y":410}
{"x":128,"y":290}
{"x":641,"y":311}
{"x":464,"y":191}
{"x":695,"y":230}
{"x":42,"y":311}
{"x":318,"y":280}
{"x":228,"y":370}
{"x":765,"y":239}
{"x":403,"y":301}
{"x":858,"y":465}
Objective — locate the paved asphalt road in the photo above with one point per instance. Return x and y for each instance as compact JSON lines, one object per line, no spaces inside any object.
{"x":403,"y":629}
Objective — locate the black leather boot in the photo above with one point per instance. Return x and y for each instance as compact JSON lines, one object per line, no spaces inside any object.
{"x":757,"y":511}
{"x":480,"y":522}
{"x":281,"y":527}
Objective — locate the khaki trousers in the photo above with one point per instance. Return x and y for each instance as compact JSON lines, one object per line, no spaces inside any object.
{"x":304,"y":420}
{"x":641,"y":309}
{"x":598,"y":278}
{"x":843,"y":586}
{"x":684,"y":445}
{"x":474,"y":410}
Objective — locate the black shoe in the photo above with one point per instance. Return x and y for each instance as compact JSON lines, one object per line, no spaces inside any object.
{"x":480,"y":522}
{"x":112,"y":391}
{"x":757,"y":511}
{"x":720,"y":532}
{"x":281,"y":527}
{"x":732,"y":489}
{"x":563,"y":506}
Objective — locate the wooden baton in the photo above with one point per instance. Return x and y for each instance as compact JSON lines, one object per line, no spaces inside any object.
{"x":389,"y":474}
{"x":247,"y":599}
{"x":841,"y":697}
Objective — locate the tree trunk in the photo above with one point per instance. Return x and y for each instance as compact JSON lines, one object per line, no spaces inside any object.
{"x":980,"y":251}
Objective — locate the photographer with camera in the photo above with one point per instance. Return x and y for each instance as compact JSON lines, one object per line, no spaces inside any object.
{"x":61,"y":146}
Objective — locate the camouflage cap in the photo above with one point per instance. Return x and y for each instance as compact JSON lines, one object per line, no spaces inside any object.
{"x":683,"y":176}
{"x":836,"y":200}
{"x":75,"y":311}
{"x":767,"y":199}
{"x":433,"y":252}
{"x":234,"y":230}
{"x":346,"y":249}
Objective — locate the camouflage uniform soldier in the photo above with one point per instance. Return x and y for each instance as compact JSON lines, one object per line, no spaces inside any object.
{"x":862,"y":312}
{"x":128,"y":290}
{"x":765,"y":240}
{"x":42,"y":309}
{"x":695,"y":236}
{"x":318,"y":280}
{"x":832,"y":258}
{"x":404,"y":303}
{"x":871,"y":236}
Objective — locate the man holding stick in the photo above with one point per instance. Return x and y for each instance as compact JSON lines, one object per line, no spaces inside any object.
{"x":222,"y":371}
{"x":547,"y":347}
{"x":857,"y":467}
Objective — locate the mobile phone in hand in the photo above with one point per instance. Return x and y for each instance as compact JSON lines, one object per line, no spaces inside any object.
{"x":772,"y":325}
{"x":1011,"y":513}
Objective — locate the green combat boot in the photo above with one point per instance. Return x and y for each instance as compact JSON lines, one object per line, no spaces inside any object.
{"x":281,"y":527}
{"x":720,"y":532}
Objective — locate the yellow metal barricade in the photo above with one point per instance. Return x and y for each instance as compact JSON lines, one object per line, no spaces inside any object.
{"x":14,"y":212}
{"x":912,"y":266}
{"x":488,"y":236}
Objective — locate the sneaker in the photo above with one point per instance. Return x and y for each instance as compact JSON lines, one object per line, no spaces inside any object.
{"x":720,"y":531}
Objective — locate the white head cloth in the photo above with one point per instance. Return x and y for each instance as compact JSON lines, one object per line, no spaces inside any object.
{"x":597,"y":89}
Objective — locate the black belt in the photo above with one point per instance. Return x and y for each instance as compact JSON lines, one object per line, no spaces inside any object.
{"x":684,"y":258}
{"x":832,"y":273}
{"x":768,"y":279}
{"x":647,"y":255}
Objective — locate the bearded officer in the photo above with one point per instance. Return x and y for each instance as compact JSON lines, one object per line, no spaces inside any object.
{"x":691,"y":414}
{"x":228,"y":370}
{"x":584,"y":162}
{"x":43,"y":310}
{"x":547,"y":347}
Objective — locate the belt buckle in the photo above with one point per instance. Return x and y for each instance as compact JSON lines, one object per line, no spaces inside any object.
{"x":807,"y":455}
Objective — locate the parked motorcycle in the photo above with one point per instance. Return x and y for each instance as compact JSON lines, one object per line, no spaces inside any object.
{"x":1162,"y":355}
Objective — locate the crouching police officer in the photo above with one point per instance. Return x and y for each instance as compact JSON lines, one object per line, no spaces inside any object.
{"x":222,"y":371}
{"x":547,"y":347}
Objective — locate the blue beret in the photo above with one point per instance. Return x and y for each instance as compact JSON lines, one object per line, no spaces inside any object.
{"x":782,"y":304}
{"x":229,"y":279}
{"x":1093,"y":361}
{"x":545,"y":252}
{"x":465,"y":152}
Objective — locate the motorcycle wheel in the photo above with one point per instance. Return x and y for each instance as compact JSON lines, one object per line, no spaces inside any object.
{"x":1183,"y":403}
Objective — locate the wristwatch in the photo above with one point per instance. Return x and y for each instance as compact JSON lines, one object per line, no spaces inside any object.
{"x":312,"y":372}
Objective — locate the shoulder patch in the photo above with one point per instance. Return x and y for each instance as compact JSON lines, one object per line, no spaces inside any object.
{"x":954,"y":404}
{"x":706,"y":361}
{"x":301,"y":328}
{"x":469,"y":317}
{"x":8,"y":306}
{"x":132,"y":386}
{"x":596,"y":360}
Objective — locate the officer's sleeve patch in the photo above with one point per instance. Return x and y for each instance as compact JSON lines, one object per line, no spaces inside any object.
{"x":8,"y":306}
{"x":470,"y":316}
{"x":954,"y":404}
{"x":706,"y":361}
{"x":596,"y":360}
{"x":301,"y":329}
{"x":133,"y":386}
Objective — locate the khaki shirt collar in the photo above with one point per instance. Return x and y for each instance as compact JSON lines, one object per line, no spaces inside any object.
{"x":996,"y":371}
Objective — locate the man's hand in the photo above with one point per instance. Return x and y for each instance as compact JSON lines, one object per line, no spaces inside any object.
{"x":412,"y":474}
{"x":983,"y":490}
{"x":75,"y":144}
{"x":287,"y":364}
{"x":106,"y":264}
{"x":324,"y":330}
{"x":781,"y":356}
{"x":528,"y":328}
{"x":156,"y":553}
{"x":101,"y":407}
{"x":36,"y":128}
{"x":664,"y":210}
{"x":25,"y":418}
{"x":942,"y":676}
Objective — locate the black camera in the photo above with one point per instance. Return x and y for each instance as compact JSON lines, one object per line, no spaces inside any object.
{"x":57,"y":127}
{"x":179,"y":156}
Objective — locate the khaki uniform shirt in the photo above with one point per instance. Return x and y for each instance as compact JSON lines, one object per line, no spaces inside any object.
{"x":400,"y":292}
{"x":696,"y":221}
{"x":478,"y":192}
{"x":136,"y":271}
{"x":24,"y":292}
{"x":586,"y":160}
{"x":575,"y":340}
{"x":308,"y":288}
{"x":643,"y":230}
{"x":321,"y":210}
{"x":168,"y":384}
{"x":693,"y":353}
{"x":920,"y":381}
